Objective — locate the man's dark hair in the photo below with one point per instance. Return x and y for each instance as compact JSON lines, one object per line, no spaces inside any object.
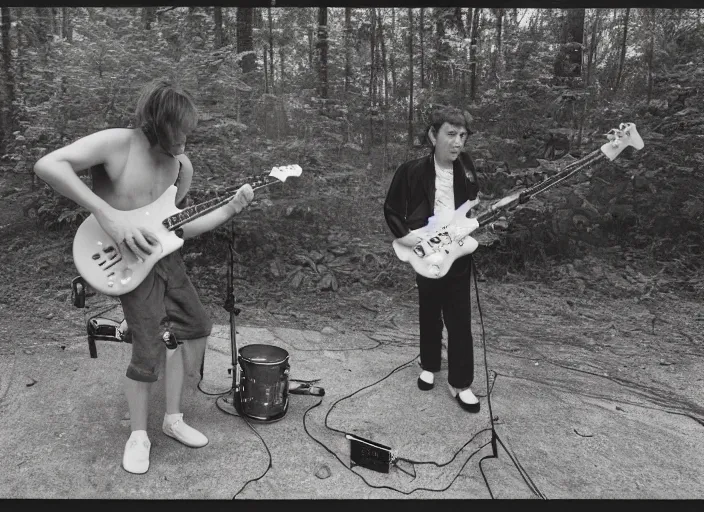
{"x":163,"y":110}
{"x":445,"y":114}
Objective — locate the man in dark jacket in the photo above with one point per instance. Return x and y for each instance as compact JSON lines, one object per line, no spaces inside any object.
{"x":435,"y":186}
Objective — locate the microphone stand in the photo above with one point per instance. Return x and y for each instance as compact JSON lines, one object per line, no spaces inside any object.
{"x":234,"y":311}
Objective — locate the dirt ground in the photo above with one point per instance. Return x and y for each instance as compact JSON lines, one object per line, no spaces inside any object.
{"x":587,"y":314}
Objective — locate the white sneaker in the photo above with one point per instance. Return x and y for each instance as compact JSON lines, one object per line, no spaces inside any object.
{"x":136,"y":456}
{"x":182,"y":432}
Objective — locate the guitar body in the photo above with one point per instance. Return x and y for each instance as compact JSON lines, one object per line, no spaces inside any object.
{"x":102,"y":264}
{"x":440,"y":245}
{"x":100,"y":261}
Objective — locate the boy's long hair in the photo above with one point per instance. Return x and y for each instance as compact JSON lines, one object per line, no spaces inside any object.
{"x":163,"y":110}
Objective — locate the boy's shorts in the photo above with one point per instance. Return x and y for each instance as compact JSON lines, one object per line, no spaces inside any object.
{"x":166,"y":299}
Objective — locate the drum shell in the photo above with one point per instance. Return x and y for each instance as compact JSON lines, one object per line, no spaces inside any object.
{"x":264,"y":371}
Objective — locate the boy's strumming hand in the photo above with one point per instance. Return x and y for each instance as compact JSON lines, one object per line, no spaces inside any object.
{"x":137,"y":241}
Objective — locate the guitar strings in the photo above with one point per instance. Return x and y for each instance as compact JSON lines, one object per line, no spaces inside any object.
{"x":176,"y":221}
{"x":567,"y":172}
{"x":544,"y":185}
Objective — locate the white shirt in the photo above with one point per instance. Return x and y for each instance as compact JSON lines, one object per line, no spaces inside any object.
{"x":444,"y":207}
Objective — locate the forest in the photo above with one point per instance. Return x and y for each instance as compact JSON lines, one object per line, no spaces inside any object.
{"x":345,"y":93}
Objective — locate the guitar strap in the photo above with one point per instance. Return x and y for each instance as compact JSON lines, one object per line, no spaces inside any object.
{"x":178,"y":178}
{"x":184,"y":202}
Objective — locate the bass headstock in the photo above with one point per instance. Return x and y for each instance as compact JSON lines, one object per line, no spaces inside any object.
{"x":286,"y":171}
{"x":619,"y":139}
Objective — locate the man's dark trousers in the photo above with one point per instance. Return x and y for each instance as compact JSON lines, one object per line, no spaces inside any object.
{"x":447,"y":299}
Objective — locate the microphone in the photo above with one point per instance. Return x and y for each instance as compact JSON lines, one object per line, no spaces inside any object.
{"x":301,"y":388}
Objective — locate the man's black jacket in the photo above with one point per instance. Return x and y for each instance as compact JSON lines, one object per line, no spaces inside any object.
{"x":411,"y":197}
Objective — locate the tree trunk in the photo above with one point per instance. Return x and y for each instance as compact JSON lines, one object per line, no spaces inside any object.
{"x":266,"y":72}
{"x":21,"y":43}
{"x":421,"y":32}
{"x":496,"y":55}
{"x":458,"y":20}
{"x":651,"y":49}
{"x":441,"y":57}
{"x":271,"y":51}
{"x":568,"y":62}
{"x":384,"y":64}
{"x":623,"y":50}
{"x":348,"y":48}
{"x":219,"y":35}
{"x":372,"y":64}
{"x":591,"y":58}
{"x":8,"y":96}
{"x":282,"y":87}
{"x":148,"y":17}
{"x":66,"y":29}
{"x":473,"y":55}
{"x":467,"y":32}
{"x":323,"y":50}
{"x":385,"y":70}
{"x":245,"y":43}
{"x":310,"y":48}
{"x":410,"y":71}
{"x":54,"y":22}
{"x":392,"y":53}
{"x":43,"y":27}
{"x":372,"y":76}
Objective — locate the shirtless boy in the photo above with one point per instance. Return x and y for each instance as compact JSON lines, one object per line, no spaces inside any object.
{"x":131,"y":168}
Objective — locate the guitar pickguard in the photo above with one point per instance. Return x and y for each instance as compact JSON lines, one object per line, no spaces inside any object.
{"x":440,"y":245}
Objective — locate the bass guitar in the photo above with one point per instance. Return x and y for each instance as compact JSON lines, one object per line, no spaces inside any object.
{"x":432,"y":249}
{"x":108,"y":270}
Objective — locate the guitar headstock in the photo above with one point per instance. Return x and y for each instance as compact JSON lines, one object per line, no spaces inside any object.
{"x":619,"y":139}
{"x":286,"y":171}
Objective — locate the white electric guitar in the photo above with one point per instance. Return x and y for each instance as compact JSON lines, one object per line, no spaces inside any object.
{"x":111,"y":271}
{"x":432,"y":249}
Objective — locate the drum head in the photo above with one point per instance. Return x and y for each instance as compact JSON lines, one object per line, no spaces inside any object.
{"x":266,"y":354}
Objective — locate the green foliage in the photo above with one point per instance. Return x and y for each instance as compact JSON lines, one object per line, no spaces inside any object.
{"x":65,"y":90}
{"x":55,"y":212}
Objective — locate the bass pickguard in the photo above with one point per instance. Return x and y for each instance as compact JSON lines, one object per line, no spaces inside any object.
{"x":108,"y":269}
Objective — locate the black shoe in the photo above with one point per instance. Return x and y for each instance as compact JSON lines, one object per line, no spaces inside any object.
{"x":468,"y":407}
{"x":425,"y":386}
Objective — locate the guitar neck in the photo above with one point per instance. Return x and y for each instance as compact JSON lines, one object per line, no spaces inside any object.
{"x":494,"y":212}
{"x":193,"y":212}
